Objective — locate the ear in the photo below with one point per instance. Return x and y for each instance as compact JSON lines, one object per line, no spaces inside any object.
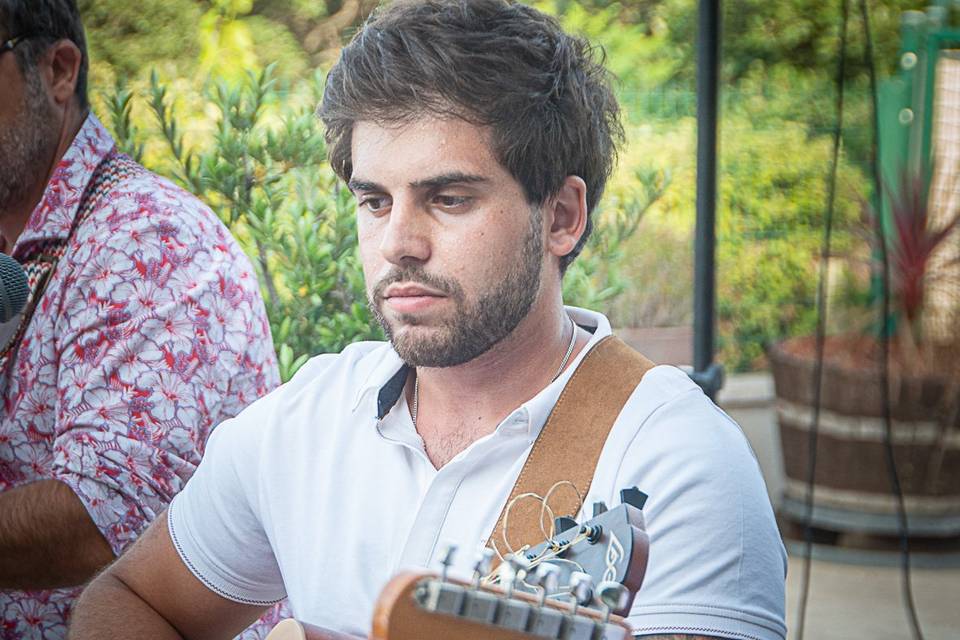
{"x":62,"y":71}
{"x":567,"y":216}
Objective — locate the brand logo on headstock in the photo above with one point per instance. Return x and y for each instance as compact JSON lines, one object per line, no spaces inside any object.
{"x":614,"y":555}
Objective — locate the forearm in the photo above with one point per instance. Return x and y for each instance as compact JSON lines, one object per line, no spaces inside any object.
{"x":109,"y":609}
{"x":47,"y":538}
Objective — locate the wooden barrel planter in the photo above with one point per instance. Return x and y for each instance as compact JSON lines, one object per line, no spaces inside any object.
{"x":852,"y":487}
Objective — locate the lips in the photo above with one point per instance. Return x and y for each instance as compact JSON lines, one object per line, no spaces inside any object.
{"x":411,"y":298}
{"x":410,"y":291}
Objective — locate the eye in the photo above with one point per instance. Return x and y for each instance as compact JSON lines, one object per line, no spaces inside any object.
{"x":448,"y":201}
{"x":374,"y":204}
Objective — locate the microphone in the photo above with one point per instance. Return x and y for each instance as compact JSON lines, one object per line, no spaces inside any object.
{"x":14,"y":289}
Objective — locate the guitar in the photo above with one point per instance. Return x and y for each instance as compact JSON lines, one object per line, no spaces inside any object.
{"x":546,"y":591}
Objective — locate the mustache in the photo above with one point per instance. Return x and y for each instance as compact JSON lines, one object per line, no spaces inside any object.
{"x":416,"y":275}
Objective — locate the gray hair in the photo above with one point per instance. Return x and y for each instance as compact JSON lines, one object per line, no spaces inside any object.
{"x":46,"y":21}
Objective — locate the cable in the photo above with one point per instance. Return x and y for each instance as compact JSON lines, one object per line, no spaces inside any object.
{"x":822,"y":323}
{"x":897,"y":490}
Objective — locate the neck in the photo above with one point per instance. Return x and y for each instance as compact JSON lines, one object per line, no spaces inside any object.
{"x":503,"y":378}
{"x":14,"y":218}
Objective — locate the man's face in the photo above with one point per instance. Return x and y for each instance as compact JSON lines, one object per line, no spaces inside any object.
{"x":452,"y":251}
{"x":28,"y":131}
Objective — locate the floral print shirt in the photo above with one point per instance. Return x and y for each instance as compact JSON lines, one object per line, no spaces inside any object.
{"x":151,"y":332}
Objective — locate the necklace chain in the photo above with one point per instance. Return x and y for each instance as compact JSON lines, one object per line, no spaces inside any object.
{"x":563,"y":364}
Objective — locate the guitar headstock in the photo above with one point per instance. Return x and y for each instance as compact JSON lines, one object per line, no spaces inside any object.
{"x":574,"y":586}
{"x":611,"y":547}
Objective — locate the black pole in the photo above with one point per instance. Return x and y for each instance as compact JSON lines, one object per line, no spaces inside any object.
{"x":706,"y":373}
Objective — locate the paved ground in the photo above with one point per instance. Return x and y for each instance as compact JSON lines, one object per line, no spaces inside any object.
{"x":846,"y":602}
{"x":858,"y":603}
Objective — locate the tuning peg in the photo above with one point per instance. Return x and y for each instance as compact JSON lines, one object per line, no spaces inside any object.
{"x":546,"y":622}
{"x":562,"y":523}
{"x":545,"y":575}
{"x":599,"y":508}
{"x":446,"y":559}
{"x":593,"y":532}
{"x":513,"y":571}
{"x":509,"y":571}
{"x":482,"y":566}
{"x":612,"y":596}
{"x":581,"y":589}
{"x":634,"y":497}
{"x":520,"y":567}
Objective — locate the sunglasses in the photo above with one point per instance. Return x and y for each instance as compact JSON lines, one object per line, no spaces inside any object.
{"x":12,"y":43}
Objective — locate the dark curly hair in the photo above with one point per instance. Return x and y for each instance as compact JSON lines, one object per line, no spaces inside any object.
{"x":544,"y":94}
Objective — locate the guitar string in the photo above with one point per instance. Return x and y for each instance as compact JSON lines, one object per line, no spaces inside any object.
{"x":550,"y":552}
{"x":544,"y":510}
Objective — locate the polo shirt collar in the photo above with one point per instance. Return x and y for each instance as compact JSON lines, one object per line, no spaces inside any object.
{"x":53,"y":216}
{"x":388,"y":378}
{"x":384,"y":383}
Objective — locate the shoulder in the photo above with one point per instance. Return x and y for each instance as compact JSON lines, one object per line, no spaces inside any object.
{"x":138,"y":194}
{"x":716,"y":555}
{"x":698,"y":469}
{"x":668,"y":412}
{"x":148,"y":242}
{"x":146,"y":217}
{"x":326,"y":385}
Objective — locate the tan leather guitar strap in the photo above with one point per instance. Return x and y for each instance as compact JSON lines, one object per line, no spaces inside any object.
{"x":570,"y":443}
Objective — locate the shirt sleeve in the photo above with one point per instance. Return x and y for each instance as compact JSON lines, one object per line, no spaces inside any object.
{"x":161,"y":335}
{"x":221,"y":524}
{"x":216,"y":522}
{"x":717,"y":565}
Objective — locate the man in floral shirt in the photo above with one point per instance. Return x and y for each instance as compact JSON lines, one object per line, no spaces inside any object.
{"x":150,"y":329}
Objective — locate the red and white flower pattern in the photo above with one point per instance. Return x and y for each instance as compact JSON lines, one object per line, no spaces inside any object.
{"x":150,"y":333}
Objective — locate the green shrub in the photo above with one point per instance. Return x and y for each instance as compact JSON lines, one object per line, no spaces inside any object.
{"x":770,"y":225}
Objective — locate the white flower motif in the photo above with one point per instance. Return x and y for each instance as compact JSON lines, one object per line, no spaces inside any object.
{"x":113,"y":381}
{"x":172,"y":333}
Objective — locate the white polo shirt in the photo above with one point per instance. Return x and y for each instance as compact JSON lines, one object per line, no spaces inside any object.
{"x":322,"y":490}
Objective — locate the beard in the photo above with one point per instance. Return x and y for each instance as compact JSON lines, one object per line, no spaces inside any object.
{"x":27,"y":144}
{"x":474,"y":327}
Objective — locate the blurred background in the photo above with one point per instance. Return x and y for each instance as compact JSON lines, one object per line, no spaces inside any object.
{"x":219,"y":95}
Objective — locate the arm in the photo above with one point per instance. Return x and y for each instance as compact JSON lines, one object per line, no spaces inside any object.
{"x":149,"y":593}
{"x":47,"y":538}
{"x":140,"y":386}
{"x":717,"y":565}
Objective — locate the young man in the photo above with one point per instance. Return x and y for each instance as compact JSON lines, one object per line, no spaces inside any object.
{"x":145,"y":329}
{"x":476,"y":137}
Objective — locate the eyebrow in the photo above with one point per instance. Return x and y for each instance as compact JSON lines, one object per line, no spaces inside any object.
{"x":362,"y":185}
{"x":434,"y":182}
{"x":447,"y":179}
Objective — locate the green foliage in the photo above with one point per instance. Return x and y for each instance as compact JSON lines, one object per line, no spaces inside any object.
{"x":120,"y":106}
{"x":770,"y":233}
{"x":641,"y":58}
{"x":596,"y":277}
{"x":126,"y":37}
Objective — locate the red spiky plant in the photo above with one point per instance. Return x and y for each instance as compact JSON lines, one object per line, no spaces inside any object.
{"x":913,"y":239}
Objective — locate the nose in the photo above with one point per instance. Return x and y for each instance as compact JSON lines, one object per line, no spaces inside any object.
{"x":406,"y":237}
